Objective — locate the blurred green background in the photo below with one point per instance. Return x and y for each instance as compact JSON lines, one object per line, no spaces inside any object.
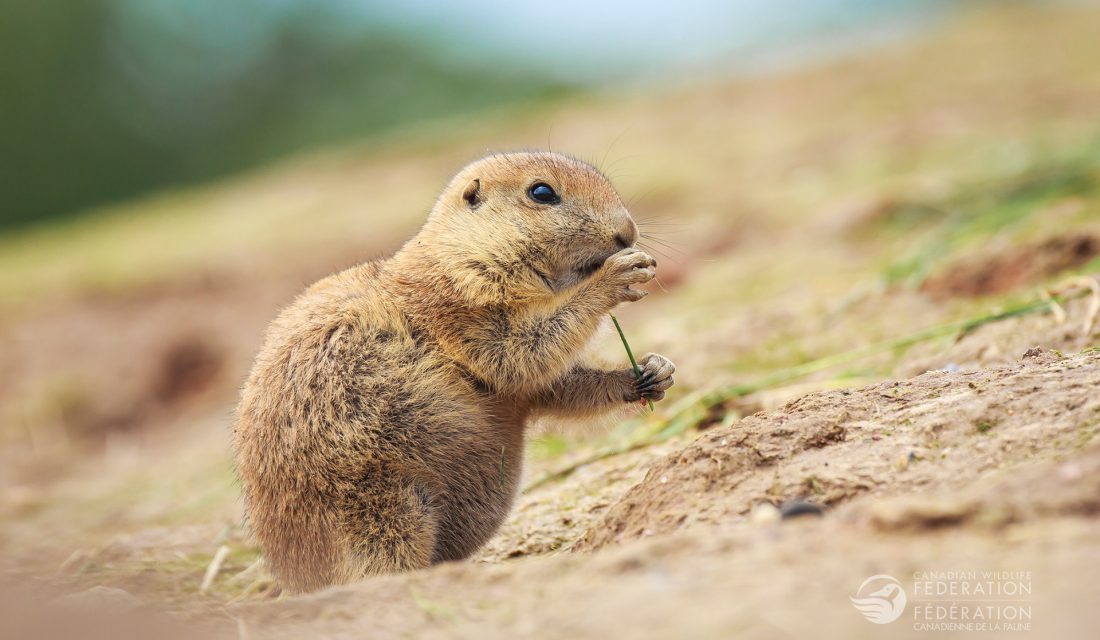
{"x":102,"y":100}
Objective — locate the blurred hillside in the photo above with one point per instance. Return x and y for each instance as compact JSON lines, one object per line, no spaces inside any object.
{"x":102,"y":100}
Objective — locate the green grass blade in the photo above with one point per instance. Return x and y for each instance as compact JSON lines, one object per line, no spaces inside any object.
{"x":630,"y":354}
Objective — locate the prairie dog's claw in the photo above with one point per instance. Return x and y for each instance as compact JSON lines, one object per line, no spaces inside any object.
{"x":656,"y":377}
{"x":629,"y":267}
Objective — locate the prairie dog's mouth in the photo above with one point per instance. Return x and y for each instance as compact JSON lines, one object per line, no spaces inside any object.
{"x":586,"y":269}
{"x":566,"y":277}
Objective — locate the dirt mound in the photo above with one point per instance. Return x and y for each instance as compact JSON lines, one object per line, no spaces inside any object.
{"x":938,"y":429}
{"x":1069,"y":488}
{"x":1000,"y":343}
{"x":1011,"y":269}
{"x":728,"y":581}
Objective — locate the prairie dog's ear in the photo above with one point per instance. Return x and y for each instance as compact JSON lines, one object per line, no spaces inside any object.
{"x":472,"y":193}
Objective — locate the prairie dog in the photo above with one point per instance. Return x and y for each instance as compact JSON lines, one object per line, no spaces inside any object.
{"x":381,"y":428}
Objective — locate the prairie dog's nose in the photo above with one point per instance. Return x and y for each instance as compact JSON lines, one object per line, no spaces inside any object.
{"x":627,"y":234}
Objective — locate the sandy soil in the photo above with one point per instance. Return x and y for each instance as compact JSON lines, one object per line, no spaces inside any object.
{"x":991,"y":470}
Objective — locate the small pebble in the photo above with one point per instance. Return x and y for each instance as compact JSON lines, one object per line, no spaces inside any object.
{"x":764,"y":514}
{"x":797,"y":508}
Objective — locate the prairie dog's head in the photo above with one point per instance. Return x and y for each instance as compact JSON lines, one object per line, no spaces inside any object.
{"x":519,"y":227}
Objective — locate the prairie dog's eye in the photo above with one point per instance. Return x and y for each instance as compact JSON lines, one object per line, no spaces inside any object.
{"x":543,"y":193}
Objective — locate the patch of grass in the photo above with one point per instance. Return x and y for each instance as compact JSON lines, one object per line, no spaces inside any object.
{"x":987,"y":207}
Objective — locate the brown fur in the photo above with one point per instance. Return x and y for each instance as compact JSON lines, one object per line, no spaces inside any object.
{"x":381,"y":428}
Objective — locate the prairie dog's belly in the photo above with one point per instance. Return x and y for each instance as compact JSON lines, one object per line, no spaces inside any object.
{"x":479,"y":484}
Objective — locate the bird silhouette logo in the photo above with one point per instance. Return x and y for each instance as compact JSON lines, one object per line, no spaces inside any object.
{"x":880,"y":599}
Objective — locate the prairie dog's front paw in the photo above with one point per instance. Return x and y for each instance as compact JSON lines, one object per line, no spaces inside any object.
{"x":656,"y":377}
{"x":628,"y":267}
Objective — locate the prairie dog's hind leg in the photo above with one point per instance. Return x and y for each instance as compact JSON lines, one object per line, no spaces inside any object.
{"x":390,"y":528}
